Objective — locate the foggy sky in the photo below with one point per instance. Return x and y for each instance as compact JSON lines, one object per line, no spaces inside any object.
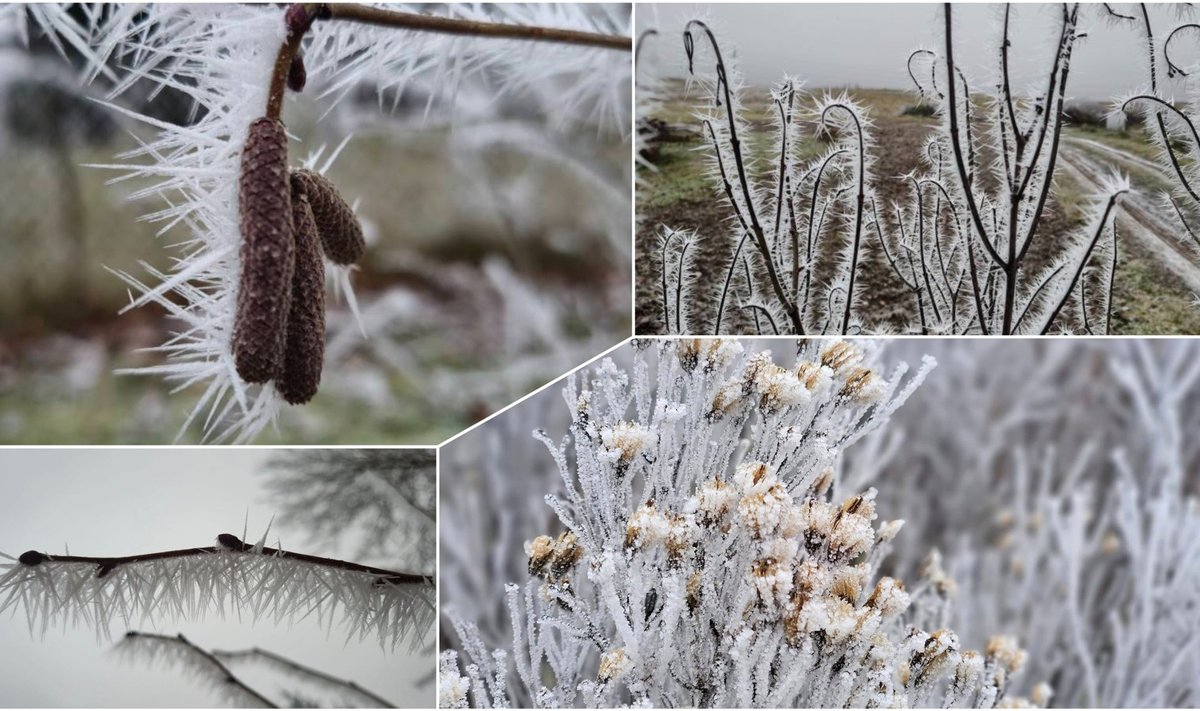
{"x":866,"y":44}
{"x":120,"y":502}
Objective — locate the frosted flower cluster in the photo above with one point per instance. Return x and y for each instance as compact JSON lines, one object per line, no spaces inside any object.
{"x":710,"y":557}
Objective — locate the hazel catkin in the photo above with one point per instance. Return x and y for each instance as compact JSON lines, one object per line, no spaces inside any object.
{"x":341,"y":234}
{"x":304,"y":349}
{"x":266,"y":254}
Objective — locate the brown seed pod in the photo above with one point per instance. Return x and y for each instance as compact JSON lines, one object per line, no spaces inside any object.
{"x":341,"y":235}
{"x":304,"y":350}
{"x":267,"y":252}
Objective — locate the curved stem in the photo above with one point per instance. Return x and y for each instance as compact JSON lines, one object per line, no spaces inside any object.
{"x":728,"y":279}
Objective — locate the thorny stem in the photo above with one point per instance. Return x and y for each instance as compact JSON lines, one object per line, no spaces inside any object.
{"x":229,"y":542}
{"x":756,"y":228}
{"x":364,"y":14}
{"x":956,"y":142}
{"x":859,"y":203}
{"x":921,"y":246}
{"x":1108,"y":208}
{"x":679,"y":285}
{"x":728,"y":278}
{"x":665,"y":298}
{"x":211,"y":659}
{"x":1112,"y":279}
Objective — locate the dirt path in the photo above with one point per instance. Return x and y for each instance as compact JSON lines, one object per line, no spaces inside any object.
{"x":1138,"y":215}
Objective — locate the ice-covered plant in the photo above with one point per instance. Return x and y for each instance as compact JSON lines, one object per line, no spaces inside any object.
{"x":1170,"y":124}
{"x":704,"y":562}
{"x":310,"y":688}
{"x":960,"y":238}
{"x":189,"y":583}
{"x":1002,"y":205}
{"x":250,"y":263}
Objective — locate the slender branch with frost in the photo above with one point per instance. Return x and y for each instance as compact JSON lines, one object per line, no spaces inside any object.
{"x":216,"y":669}
{"x":192,"y":582}
{"x":199,"y":663}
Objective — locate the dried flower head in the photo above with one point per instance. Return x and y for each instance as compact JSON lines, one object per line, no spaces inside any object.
{"x":624,"y":441}
{"x":539,"y":551}
{"x":267,"y":252}
{"x":841,"y":356}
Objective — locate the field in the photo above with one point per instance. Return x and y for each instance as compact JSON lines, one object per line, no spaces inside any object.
{"x":1157,"y":276}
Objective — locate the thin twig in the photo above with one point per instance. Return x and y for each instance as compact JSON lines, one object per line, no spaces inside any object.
{"x":230,"y":678}
{"x":228,"y":543}
{"x":364,"y":14}
{"x":378,"y":701}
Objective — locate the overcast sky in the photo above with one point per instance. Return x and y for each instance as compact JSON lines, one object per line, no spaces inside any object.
{"x":120,"y":502}
{"x":866,"y":44}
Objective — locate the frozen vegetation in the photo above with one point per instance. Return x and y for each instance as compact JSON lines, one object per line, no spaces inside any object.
{"x":723,"y":527}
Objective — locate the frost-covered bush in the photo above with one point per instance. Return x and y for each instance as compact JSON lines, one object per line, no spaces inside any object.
{"x":958,"y":238}
{"x":1048,"y":490}
{"x":704,"y":562}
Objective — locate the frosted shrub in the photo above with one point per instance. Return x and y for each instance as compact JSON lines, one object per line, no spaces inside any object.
{"x":704,"y":561}
{"x":958,"y":239}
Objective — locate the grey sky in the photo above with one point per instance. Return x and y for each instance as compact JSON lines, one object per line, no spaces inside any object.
{"x":119,"y":502}
{"x":866,"y":44}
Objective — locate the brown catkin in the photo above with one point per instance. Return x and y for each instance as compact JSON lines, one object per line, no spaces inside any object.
{"x":304,"y":351}
{"x":340,"y":232}
{"x":267,"y":252}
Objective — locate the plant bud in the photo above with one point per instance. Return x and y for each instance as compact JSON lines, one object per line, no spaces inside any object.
{"x":341,"y":235}
{"x":267,"y":253}
{"x":32,"y":558}
{"x":298,"y":19}
{"x":304,"y":350}
{"x":297,"y":76}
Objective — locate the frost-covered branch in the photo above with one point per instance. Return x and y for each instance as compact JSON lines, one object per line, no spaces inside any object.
{"x":349,"y":693}
{"x":189,"y":583}
{"x":197,"y":662}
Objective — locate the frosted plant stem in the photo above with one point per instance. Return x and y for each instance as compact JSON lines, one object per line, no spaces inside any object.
{"x":364,"y":14}
{"x":228,"y":543}
{"x":378,"y":701}
{"x":210,"y":659}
